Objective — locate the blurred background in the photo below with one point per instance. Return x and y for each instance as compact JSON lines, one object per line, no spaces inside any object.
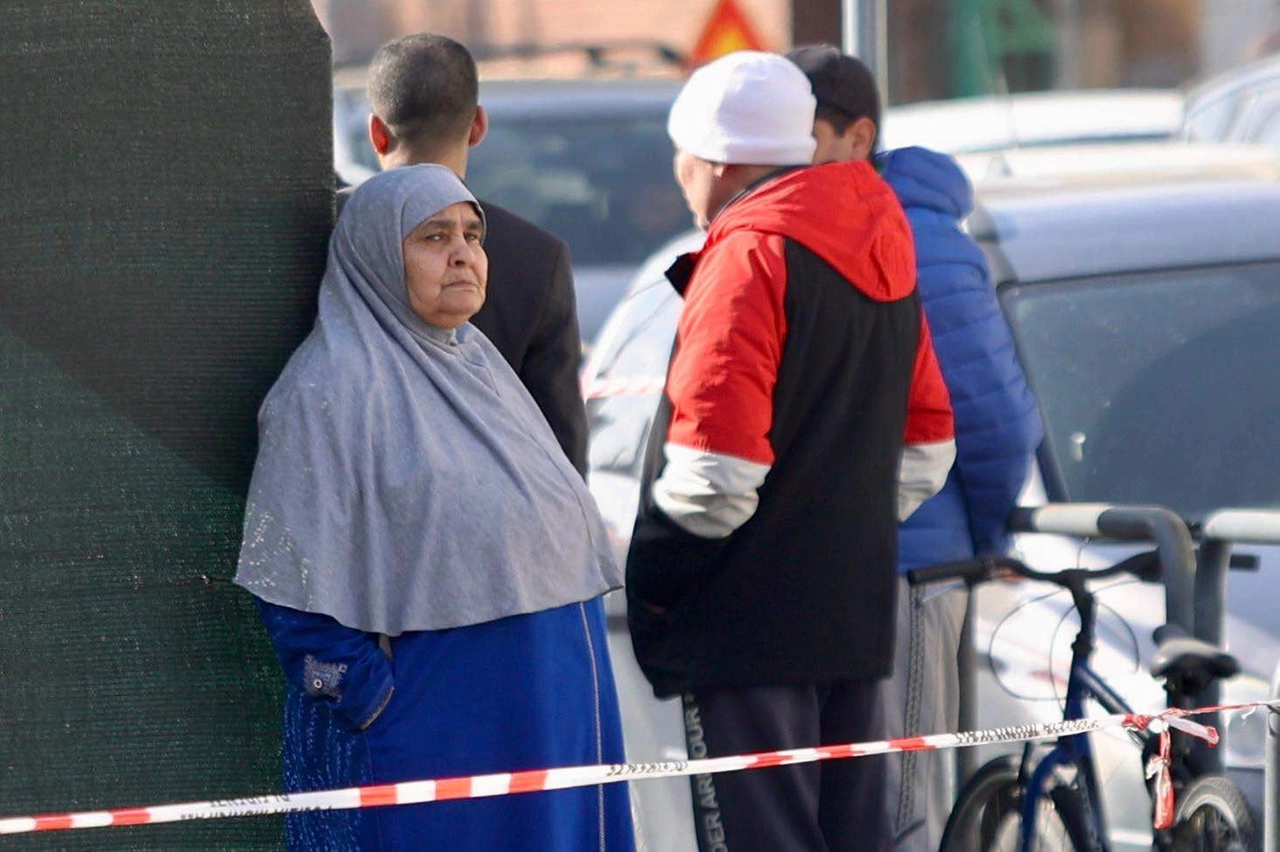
{"x":938,"y":50}
{"x":578,"y":90}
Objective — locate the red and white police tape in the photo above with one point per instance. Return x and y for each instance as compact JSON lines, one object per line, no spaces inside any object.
{"x":624,"y":386}
{"x":508,"y":783}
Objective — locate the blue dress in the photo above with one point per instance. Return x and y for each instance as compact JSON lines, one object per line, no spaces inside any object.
{"x":524,"y":692}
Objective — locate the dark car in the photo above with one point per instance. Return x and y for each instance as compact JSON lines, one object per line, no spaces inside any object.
{"x":1145,"y":302}
{"x":588,"y":160}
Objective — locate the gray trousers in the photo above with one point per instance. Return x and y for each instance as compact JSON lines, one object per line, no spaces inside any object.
{"x":923,"y":697}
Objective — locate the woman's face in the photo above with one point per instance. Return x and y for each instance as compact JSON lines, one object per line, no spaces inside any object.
{"x":445,"y":267}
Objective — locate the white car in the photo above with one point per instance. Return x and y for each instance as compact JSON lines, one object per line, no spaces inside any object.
{"x":1144,"y":303}
{"x":1031,"y":119}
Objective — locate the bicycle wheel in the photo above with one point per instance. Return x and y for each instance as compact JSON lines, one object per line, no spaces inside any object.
{"x":1051,"y":832}
{"x":987,"y":816}
{"x":987,"y":800}
{"x":1063,"y":824}
{"x":1213,"y":816}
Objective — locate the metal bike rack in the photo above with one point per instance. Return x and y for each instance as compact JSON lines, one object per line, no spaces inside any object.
{"x":1128,"y":523}
{"x":1100,"y":521}
{"x":1219,"y":532}
{"x":1271,"y":813}
{"x":967,"y":672}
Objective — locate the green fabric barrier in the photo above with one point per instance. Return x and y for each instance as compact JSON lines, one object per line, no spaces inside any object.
{"x":166,"y":197}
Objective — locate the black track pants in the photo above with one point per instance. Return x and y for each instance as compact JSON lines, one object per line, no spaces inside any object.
{"x":831,"y":806}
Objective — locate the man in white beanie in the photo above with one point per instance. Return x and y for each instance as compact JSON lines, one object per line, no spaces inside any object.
{"x":804,"y":415}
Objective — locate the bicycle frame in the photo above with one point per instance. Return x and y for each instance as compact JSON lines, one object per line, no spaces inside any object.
{"x":1083,"y":683}
{"x":1075,"y":751}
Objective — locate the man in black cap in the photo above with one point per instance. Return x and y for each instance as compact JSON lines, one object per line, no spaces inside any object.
{"x":847,"y":120}
{"x":997,"y":428}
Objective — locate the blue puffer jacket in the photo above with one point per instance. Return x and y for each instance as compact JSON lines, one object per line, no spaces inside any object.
{"x":997,"y":422}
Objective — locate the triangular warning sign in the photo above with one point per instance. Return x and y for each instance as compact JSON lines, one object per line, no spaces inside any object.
{"x":727,"y":30}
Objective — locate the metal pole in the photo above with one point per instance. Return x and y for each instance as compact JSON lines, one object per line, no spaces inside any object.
{"x":1244,"y":526}
{"x":864,"y":33}
{"x":1177,"y":554}
{"x":1271,"y":809}
{"x":967,"y":664}
{"x":1212,"y":563}
{"x":851,"y":25}
{"x":1219,"y":531}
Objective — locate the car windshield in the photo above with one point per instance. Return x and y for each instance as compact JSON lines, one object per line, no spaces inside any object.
{"x":602,"y":184}
{"x":1159,"y":387}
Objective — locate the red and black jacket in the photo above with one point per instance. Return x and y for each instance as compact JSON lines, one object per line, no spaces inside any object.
{"x":802,"y":389}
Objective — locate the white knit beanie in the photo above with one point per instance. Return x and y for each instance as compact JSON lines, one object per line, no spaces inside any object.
{"x":748,"y":108}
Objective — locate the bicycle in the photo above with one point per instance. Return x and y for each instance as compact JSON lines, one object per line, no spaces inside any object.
{"x":1049,"y":798}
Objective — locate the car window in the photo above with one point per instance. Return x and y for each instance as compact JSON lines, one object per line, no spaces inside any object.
{"x":604,"y":185}
{"x":1158,"y":388}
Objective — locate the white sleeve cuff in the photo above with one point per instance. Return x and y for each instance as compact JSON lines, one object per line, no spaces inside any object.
{"x":922,"y":473}
{"x":708,"y":494}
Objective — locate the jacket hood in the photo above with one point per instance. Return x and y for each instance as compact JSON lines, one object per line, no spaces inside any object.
{"x":842,"y":212}
{"x":924,"y":178}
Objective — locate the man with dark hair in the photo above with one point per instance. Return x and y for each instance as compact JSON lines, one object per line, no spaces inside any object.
{"x":846,"y":128}
{"x":997,"y":429}
{"x":423,"y":93}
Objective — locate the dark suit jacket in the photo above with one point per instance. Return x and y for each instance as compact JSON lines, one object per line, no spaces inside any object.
{"x":530,"y":314}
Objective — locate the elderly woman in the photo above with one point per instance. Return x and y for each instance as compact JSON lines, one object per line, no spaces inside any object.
{"x":427,"y":562}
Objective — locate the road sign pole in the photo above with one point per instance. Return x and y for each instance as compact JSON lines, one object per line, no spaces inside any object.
{"x":864,"y":29}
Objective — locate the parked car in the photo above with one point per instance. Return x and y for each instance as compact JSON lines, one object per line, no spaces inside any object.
{"x":1144,"y":305}
{"x":588,"y":160}
{"x":1239,"y":105}
{"x":1126,"y":162}
{"x":1030,"y":119}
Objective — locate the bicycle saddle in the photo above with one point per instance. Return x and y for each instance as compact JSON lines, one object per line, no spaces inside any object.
{"x":1178,"y":653}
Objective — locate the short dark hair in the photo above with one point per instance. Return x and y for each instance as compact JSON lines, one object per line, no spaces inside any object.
{"x":837,"y":118}
{"x":843,"y":85}
{"x":424,"y":88}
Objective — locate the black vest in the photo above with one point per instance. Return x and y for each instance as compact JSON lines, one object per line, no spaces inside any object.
{"x":804,"y":591}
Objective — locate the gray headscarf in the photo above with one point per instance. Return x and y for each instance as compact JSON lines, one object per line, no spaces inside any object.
{"x":405,"y":478}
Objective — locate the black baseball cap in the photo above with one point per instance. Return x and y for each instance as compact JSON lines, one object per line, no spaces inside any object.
{"x":839,"y":80}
